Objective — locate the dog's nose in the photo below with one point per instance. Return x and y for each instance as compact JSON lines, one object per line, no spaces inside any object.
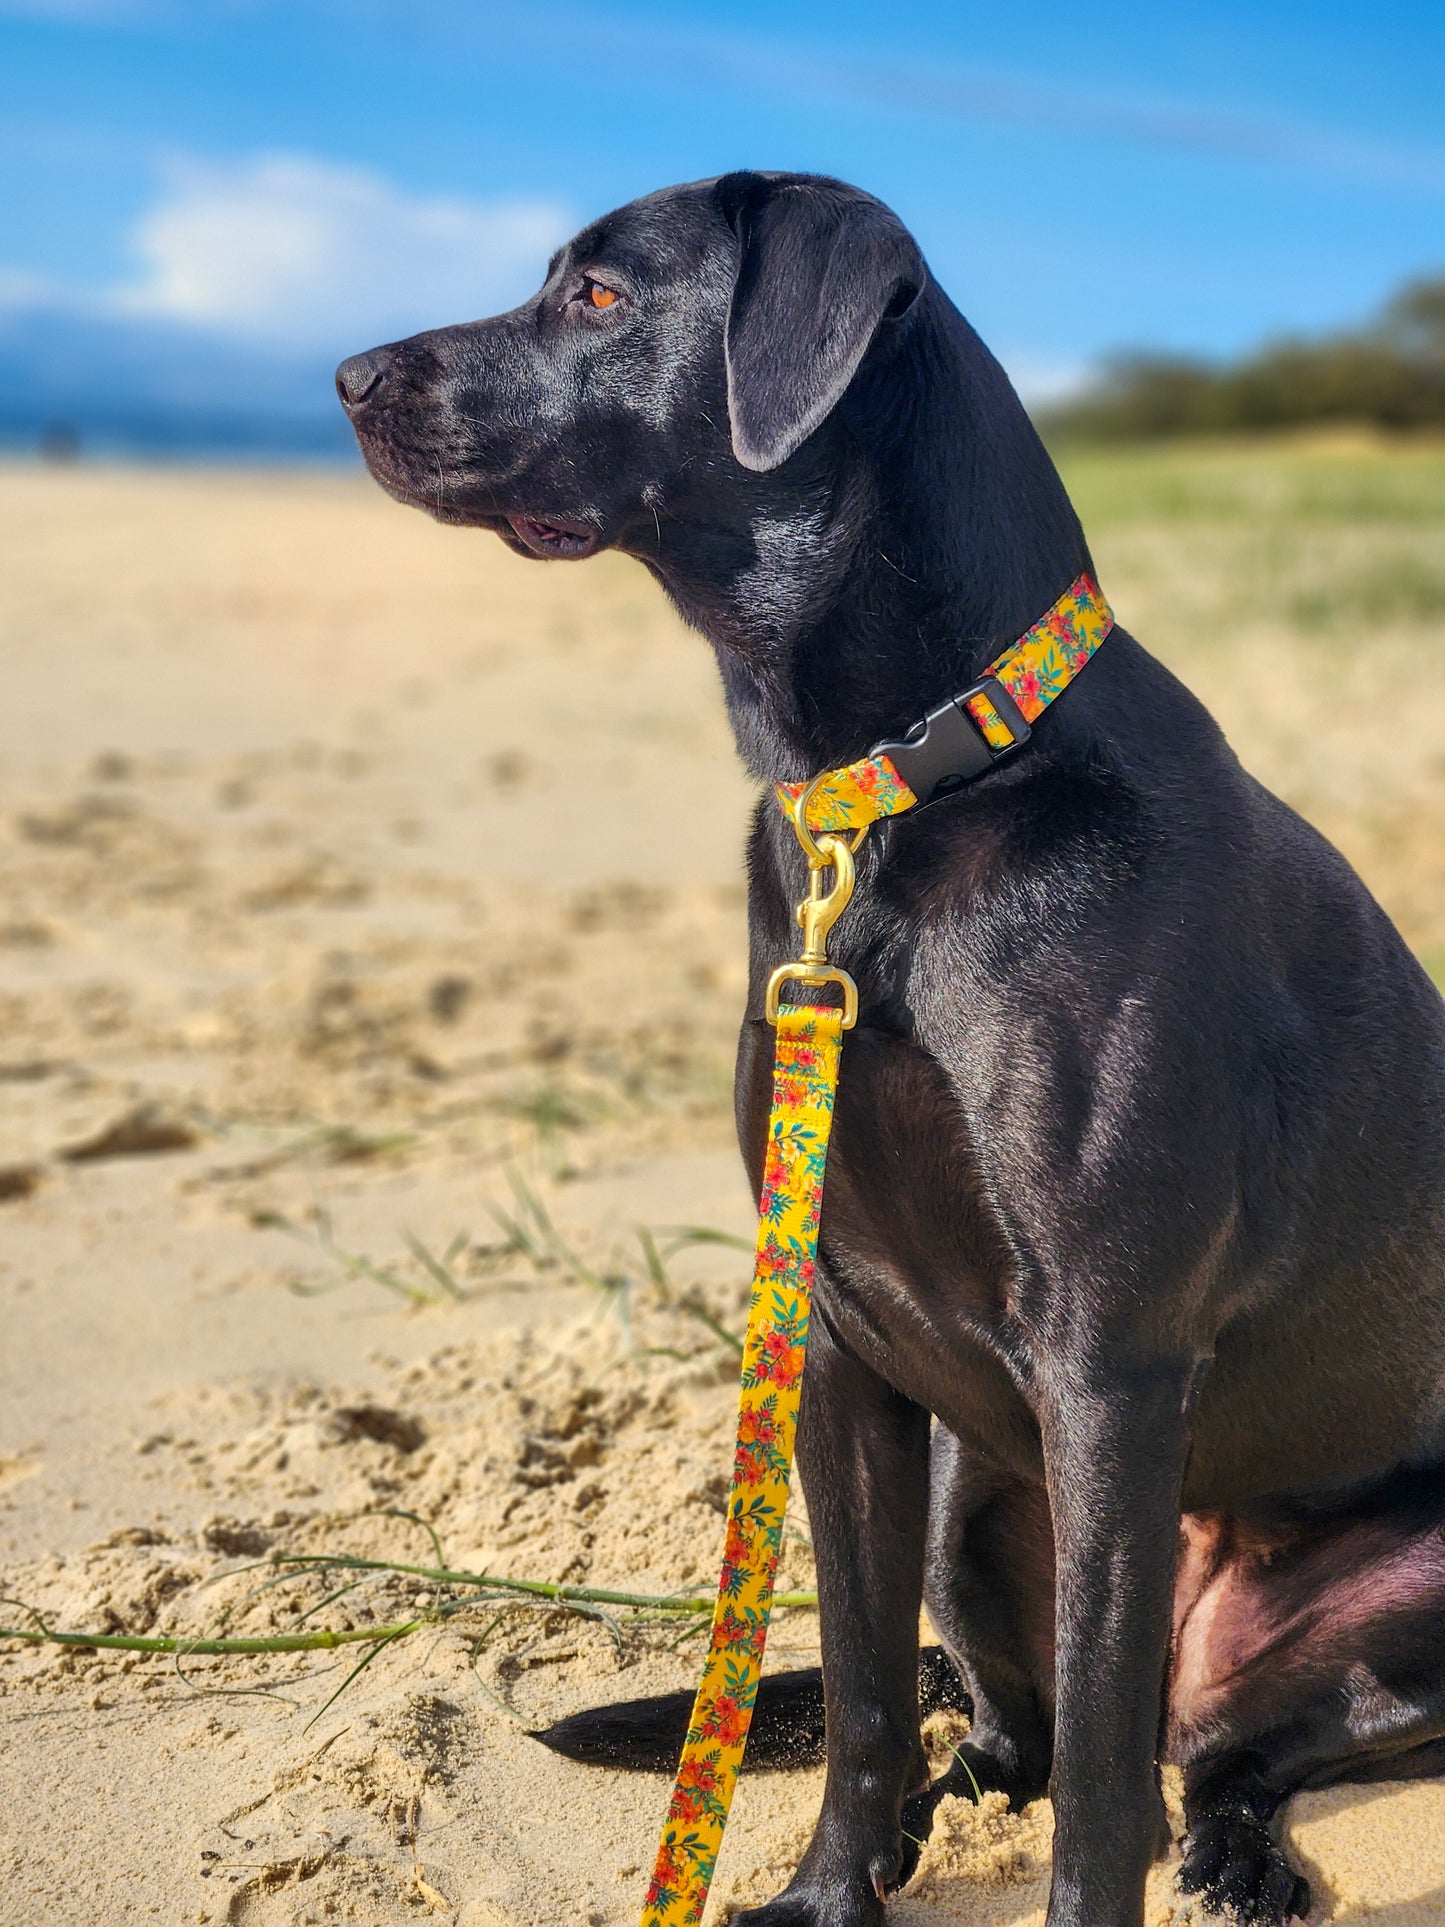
{"x":357,"y":378}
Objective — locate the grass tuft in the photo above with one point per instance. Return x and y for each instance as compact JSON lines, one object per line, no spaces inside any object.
{"x":532,"y":1239}
{"x":352,"y":1263}
{"x":463,"y":1592}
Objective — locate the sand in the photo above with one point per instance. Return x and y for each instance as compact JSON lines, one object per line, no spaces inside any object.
{"x":363,"y":890}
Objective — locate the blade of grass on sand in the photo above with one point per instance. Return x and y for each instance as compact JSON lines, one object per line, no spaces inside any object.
{"x":545,"y":1591}
{"x":352,"y":1262}
{"x":528,"y":1588}
{"x":385,"y":1640}
{"x":320,"y":1641}
{"x":435,"y":1266}
{"x":680,"y":1236}
{"x":415,"y":1518}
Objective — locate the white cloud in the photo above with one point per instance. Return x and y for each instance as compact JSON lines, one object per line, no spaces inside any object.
{"x":298,"y":253}
{"x":19,"y":288}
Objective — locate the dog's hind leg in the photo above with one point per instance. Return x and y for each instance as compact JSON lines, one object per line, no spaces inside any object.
{"x":1311,"y":1654}
{"x":989,"y":1591}
{"x":863,"y":1453}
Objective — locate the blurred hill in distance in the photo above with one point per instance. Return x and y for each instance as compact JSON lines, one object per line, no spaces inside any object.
{"x":1389,"y":375}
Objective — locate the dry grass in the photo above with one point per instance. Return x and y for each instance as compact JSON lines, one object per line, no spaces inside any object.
{"x":1300,"y":589}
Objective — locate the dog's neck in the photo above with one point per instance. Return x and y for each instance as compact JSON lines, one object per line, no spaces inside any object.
{"x":875,"y":574}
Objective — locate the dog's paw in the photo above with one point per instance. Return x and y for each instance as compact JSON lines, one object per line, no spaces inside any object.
{"x":854,"y":1862}
{"x":1232,"y":1862}
{"x":850,"y":1897}
{"x":808,"y":1906}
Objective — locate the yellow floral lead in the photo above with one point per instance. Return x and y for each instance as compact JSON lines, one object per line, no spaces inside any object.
{"x":805,"y":1075}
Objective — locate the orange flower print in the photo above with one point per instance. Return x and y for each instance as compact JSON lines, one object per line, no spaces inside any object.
{"x":697,"y":1782}
{"x":724,"y":1721}
{"x":739,"y":1542}
{"x":667,"y":1877}
{"x":737,"y":1553}
{"x":775,"y":1165}
{"x":757,"y":1426}
{"x":801,"y":1057}
{"x":779,"y":1360}
{"x":776,"y":1264}
{"x":1026,"y":693}
{"x":757,"y":1453}
{"x":742,"y":1635}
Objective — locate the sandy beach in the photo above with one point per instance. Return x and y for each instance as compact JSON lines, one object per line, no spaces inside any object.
{"x":371,"y":955}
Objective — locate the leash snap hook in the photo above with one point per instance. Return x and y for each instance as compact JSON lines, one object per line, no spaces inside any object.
{"x":821,"y":908}
{"x":818,"y":912}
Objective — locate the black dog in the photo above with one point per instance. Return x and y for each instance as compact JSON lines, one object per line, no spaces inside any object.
{"x":1138,"y":1179}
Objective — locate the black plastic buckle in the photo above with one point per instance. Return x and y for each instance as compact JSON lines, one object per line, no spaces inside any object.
{"x":948,"y":749}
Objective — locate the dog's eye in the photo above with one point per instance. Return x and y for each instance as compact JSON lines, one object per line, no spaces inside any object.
{"x":599,"y":296}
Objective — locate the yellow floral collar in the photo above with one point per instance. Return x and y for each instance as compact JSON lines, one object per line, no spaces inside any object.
{"x":967,"y":735}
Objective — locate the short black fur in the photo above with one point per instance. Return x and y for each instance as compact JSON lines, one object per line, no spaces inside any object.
{"x":1132,"y":1286}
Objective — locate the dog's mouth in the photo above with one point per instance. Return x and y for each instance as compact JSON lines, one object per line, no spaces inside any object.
{"x":465,"y":501}
{"x":560,"y":540}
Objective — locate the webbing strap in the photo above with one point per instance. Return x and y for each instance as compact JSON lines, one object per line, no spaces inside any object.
{"x":1035,"y":670}
{"x":805,"y":1075}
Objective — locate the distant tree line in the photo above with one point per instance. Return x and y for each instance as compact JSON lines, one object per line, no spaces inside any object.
{"x":1389,"y":374}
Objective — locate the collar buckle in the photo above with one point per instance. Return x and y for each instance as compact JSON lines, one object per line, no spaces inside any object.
{"x":948,"y":748}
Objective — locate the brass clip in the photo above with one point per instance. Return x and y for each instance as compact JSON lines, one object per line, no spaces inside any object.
{"x":818,"y":912}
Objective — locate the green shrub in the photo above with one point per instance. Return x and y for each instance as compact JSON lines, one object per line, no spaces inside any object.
{"x":1390,"y":375}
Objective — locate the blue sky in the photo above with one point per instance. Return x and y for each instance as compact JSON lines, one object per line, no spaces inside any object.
{"x":292,"y":181}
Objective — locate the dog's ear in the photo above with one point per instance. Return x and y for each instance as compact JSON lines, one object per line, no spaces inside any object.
{"x":820,"y":265}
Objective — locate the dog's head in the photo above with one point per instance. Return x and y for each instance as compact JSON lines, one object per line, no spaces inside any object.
{"x":679,"y":349}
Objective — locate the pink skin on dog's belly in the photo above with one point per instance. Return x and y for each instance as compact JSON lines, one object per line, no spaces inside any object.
{"x":1256,"y":1605}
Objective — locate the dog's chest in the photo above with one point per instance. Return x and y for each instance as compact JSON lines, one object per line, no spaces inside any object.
{"x":914,"y":1273}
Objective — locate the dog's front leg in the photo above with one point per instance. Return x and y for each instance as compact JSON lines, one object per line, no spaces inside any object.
{"x":1115,"y":1438}
{"x":863,"y":1454}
